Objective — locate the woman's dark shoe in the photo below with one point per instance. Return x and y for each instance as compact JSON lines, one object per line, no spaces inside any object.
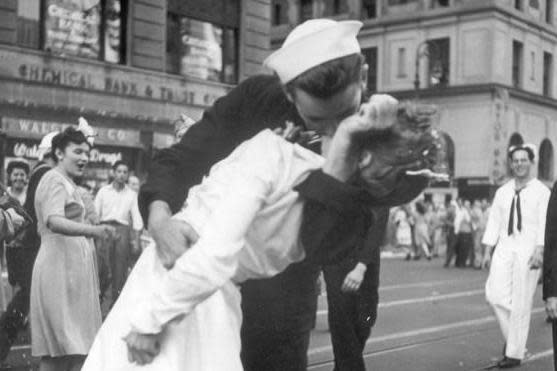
{"x":508,"y":362}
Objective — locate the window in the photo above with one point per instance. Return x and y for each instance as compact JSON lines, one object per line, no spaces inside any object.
{"x":28,"y":23}
{"x":277,"y":14}
{"x":400,"y":2}
{"x":440,"y":3}
{"x":370,"y":55}
{"x":401,"y":63}
{"x":517,"y":64}
{"x":439,"y":58}
{"x":532,"y":66}
{"x":547,"y":74}
{"x":518,"y":4}
{"x":549,"y":11}
{"x":306,"y":10}
{"x":92,"y":29}
{"x":545,"y":160}
{"x":534,"y":4}
{"x":369,"y":9}
{"x":201,"y":49}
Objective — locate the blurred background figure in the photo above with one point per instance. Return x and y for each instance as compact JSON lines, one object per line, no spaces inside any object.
{"x":134,"y":183}
{"x":463,"y":231}
{"x":422,"y":240}
{"x":18,"y":173}
{"x":449,"y":229}
{"x":403,"y":230}
{"x":181,"y":126}
{"x":116,"y":205}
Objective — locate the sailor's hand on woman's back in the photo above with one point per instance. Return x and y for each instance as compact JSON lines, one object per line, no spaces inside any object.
{"x":172,"y":237}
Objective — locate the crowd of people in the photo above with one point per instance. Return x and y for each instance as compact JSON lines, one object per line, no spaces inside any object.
{"x":452,"y":229}
{"x":244,"y":212}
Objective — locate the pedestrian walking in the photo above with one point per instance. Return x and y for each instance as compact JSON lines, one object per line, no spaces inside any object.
{"x":449,"y":229}
{"x":116,"y":205}
{"x":403,"y":233}
{"x":515,"y":229}
{"x":463,"y":231}
{"x":279,"y":312}
{"x":422,"y":240}
{"x":65,"y":310}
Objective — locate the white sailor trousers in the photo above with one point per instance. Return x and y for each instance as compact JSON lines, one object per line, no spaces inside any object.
{"x":510,"y":290}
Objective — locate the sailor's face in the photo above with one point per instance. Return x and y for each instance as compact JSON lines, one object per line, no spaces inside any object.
{"x":520,"y":164}
{"x":324,"y":114}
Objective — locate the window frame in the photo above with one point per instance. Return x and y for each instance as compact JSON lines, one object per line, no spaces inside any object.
{"x":224,"y":28}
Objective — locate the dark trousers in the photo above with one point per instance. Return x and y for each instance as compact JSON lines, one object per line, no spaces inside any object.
{"x":554,"y":326}
{"x":275,"y":351}
{"x":464,"y":242}
{"x":13,"y":320}
{"x":117,"y":250}
{"x":278,"y":316}
{"x":451,"y":246}
{"x":351,"y":315}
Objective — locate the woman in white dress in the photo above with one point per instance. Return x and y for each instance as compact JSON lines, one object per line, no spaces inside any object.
{"x":248,"y":216}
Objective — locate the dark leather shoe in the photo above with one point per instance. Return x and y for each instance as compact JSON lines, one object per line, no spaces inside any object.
{"x":508,"y":362}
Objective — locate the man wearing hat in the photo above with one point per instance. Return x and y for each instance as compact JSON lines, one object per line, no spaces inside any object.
{"x":319,"y":80}
{"x":515,"y":228}
{"x":21,"y":258}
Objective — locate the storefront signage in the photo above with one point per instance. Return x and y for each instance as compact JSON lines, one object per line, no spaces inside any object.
{"x":27,"y":128}
{"x":55,"y":71}
{"x":30,"y":151}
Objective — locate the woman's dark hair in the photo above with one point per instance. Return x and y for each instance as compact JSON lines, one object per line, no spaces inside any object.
{"x":17,"y":165}
{"x":63,"y":139}
{"x":329,"y":78}
{"x":420,"y":208}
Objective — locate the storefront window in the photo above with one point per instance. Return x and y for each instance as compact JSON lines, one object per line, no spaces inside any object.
{"x":201,"y":49}
{"x":85,"y":28}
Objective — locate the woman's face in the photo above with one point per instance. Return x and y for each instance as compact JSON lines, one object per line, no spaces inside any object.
{"x":18,"y":179}
{"x":74,"y":159}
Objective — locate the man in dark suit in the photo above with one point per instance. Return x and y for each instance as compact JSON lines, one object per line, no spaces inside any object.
{"x":352,"y":296}
{"x":316,"y":93}
{"x":550,"y":267}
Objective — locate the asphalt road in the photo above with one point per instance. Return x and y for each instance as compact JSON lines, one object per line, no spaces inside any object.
{"x":430,"y":319}
{"x":434,"y":319}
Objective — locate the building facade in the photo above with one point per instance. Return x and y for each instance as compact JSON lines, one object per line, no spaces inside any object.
{"x":130,"y":67}
{"x":488,"y":65}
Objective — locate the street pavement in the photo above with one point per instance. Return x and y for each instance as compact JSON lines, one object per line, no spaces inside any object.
{"x":430,"y":319}
{"x":434,"y":319}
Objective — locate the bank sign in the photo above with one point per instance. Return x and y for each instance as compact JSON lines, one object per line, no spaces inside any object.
{"x":112,"y":79}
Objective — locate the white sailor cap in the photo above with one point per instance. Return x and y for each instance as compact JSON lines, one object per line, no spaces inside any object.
{"x":312,"y":43}
{"x":528,"y":147}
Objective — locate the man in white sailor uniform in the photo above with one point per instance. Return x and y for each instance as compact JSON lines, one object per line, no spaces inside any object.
{"x":515,"y":229}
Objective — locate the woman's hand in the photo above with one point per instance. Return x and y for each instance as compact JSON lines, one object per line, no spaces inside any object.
{"x":142,"y":348}
{"x":104,"y":232}
{"x":342,"y":156}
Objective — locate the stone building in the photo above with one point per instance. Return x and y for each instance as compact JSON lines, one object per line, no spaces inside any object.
{"x":488,"y":64}
{"x":130,"y":67}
